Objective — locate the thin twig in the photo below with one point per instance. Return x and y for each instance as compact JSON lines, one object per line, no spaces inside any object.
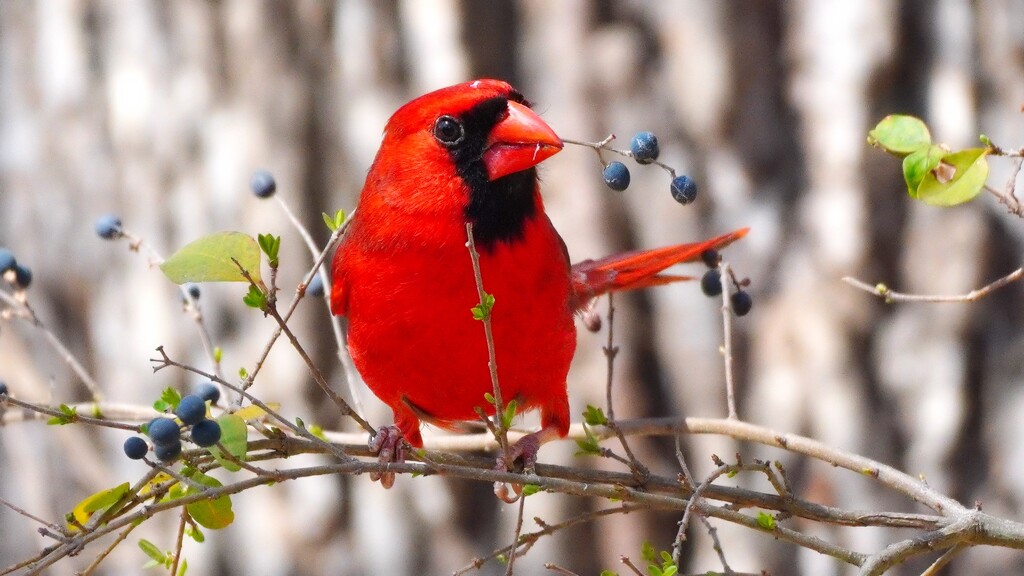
{"x":603,"y":145}
{"x":515,"y":537}
{"x":179,"y":542}
{"x":730,"y":384}
{"x":944,"y":560}
{"x":339,"y":339}
{"x":640,"y":472}
{"x":314,"y":370}
{"x":29,"y":515}
{"x":334,"y":239}
{"x":492,"y":363}
{"x":23,"y":310}
{"x":889,"y":295}
{"x":121,"y":536}
{"x":716,"y":544}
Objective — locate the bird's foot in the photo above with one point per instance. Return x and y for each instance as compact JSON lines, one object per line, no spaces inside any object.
{"x":520,"y":456}
{"x":389,"y":445}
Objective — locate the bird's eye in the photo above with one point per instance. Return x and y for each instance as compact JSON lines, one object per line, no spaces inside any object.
{"x":449,"y":131}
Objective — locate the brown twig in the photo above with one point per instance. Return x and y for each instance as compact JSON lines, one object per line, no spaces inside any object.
{"x":730,"y":385}
{"x":640,"y":472}
{"x":889,"y":295}
{"x":339,"y":339}
{"x":492,"y":363}
{"x":22,"y":309}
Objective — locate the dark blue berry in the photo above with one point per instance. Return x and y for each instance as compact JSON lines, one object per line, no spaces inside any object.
{"x":167,"y":452}
{"x":741,"y":302}
{"x":193,"y":291}
{"x":616,"y":176}
{"x":262,"y":184}
{"x":191,"y":409}
{"x":108,"y":226}
{"x":644,"y":147}
{"x":163,"y":431}
{"x":206,"y":433}
{"x":208,"y":392}
{"x":135,"y":448}
{"x":3,"y":388}
{"x":711,"y":282}
{"x":22,"y":276}
{"x":711,"y":257}
{"x":684,"y":189}
{"x":315,"y":286}
{"x":7,"y":261}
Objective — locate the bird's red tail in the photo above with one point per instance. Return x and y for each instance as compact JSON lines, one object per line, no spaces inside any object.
{"x":639,"y":269}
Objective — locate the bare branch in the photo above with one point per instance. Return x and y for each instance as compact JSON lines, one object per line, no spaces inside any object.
{"x":889,"y":295}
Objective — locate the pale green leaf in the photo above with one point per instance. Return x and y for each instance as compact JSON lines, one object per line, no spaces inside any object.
{"x":969,"y":174}
{"x":209,"y":259}
{"x":900,"y":134}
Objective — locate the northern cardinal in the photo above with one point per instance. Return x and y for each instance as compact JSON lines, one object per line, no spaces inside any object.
{"x":404,"y":279}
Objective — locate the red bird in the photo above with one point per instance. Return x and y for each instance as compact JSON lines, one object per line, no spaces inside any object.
{"x":404,"y":279}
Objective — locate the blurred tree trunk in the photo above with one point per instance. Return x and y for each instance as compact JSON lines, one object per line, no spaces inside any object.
{"x":160,"y":111}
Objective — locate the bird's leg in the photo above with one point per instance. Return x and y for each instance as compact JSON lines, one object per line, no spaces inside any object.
{"x":389,"y":445}
{"x":524,"y":451}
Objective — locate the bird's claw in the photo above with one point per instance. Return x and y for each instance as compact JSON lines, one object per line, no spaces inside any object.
{"x":525,"y":452}
{"x":389,"y":445}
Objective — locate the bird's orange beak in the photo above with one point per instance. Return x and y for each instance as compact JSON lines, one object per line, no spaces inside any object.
{"x":521,"y":140}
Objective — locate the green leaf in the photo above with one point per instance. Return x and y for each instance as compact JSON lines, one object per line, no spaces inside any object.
{"x":234,"y":437}
{"x":900,"y":134}
{"x":218,"y":354}
{"x":151,"y":550}
{"x":594,"y":416}
{"x":510,"y":413}
{"x":766,"y":521}
{"x":670,"y":571}
{"x":608,"y":573}
{"x":169,"y":399}
{"x":243,"y":373}
{"x":182,"y":567}
{"x":918,"y":164}
{"x":195,"y":533}
{"x":255,"y":298}
{"x":589,"y":444}
{"x":67,"y":415}
{"x":213,"y":514}
{"x":490,"y":398}
{"x":271,"y":246}
{"x":95,"y":502}
{"x":666,"y":559}
{"x":647,"y":552}
{"x":968,"y":176}
{"x":530,"y":489}
{"x":483,"y":309}
{"x":334,"y":222}
{"x":318,"y":431}
{"x":208,"y":259}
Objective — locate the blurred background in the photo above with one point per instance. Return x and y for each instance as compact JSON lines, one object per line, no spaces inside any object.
{"x":160,"y":112}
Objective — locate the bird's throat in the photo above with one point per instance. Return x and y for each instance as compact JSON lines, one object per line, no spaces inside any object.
{"x":500,"y":209}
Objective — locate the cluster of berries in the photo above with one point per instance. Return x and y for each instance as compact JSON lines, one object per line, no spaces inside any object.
{"x":17,"y":274}
{"x":165,"y":433}
{"x":711,"y":284}
{"x":644,"y":149}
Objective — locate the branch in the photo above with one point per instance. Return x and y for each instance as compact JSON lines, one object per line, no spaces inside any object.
{"x":890,"y":296}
